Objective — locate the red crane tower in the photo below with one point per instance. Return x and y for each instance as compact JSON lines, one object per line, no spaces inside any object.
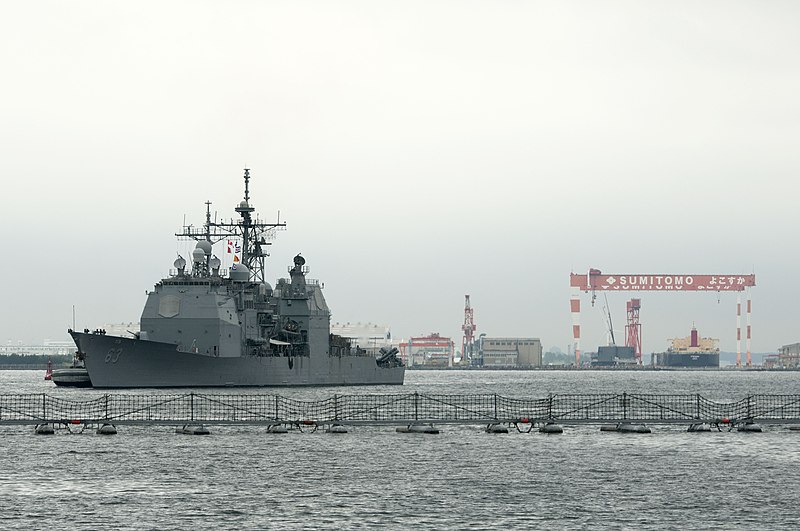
{"x":468,"y":327}
{"x":633,"y":330}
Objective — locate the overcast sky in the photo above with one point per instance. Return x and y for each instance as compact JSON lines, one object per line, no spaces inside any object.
{"x":419,"y":151}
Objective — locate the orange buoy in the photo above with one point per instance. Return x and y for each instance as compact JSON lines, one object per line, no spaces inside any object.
{"x":524,"y":420}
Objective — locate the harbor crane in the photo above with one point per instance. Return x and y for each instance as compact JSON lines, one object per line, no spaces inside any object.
{"x":633,"y":329}
{"x":469,"y":328}
{"x":596,"y":281}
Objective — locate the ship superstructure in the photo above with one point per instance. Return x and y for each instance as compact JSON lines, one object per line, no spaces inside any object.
{"x":205,"y":327}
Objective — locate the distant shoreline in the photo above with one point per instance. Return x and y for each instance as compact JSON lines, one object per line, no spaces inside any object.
{"x":726,"y":368}
{"x":43,"y":367}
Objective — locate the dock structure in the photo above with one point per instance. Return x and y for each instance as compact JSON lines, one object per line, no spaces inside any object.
{"x":394,"y":409}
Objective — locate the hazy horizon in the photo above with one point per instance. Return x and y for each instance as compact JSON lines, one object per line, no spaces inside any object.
{"x":419,"y":151}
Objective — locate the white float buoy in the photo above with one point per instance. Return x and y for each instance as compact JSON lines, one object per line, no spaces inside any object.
{"x":749,"y":427}
{"x":44,"y":429}
{"x":551,"y":427}
{"x":193,"y":430}
{"x":107,"y":429}
{"x":418,"y":428}
{"x":337,"y":428}
{"x":699,"y":427}
{"x":627,"y":427}
{"x":277,"y":428}
{"x":496,"y":428}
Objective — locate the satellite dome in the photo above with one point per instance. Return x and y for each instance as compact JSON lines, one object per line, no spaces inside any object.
{"x":215,"y":263}
{"x":240,"y":273}
{"x":198,"y":255}
{"x":204,"y":245}
{"x":179,"y":262}
{"x":244,"y":204}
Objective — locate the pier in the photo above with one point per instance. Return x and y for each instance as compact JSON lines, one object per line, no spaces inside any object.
{"x":395,"y":409}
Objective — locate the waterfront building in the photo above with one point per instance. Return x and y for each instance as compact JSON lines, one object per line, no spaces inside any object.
{"x":368,"y":336}
{"x":789,"y":356}
{"x":614,"y":356}
{"x":49,"y":347}
{"x":432,"y":350}
{"x":510,"y":352}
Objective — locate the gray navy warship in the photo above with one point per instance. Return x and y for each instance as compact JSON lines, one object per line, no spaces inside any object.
{"x":207,"y":328}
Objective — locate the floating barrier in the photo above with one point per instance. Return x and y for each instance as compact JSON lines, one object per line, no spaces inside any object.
{"x":403,"y":410}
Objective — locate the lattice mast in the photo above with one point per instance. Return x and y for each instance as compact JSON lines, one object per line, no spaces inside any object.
{"x":469,"y":328}
{"x":633,"y":329}
{"x":253,"y":233}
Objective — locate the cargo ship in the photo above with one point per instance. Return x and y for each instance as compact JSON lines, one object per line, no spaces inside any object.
{"x":691,"y":351}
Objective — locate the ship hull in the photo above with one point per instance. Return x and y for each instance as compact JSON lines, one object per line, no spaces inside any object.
{"x":118,"y":362}
{"x":688,"y":360}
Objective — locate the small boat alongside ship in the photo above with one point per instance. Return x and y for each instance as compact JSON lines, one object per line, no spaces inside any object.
{"x":74,"y":376}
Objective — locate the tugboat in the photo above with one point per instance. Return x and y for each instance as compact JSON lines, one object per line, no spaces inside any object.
{"x":207,"y":327}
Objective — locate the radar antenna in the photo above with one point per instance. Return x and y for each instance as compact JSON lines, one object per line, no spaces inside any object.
{"x":253,"y":233}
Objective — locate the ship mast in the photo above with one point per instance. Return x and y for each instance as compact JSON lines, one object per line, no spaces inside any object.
{"x":253,"y":232}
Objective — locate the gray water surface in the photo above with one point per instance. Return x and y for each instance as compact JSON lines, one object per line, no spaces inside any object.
{"x":243,"y":478}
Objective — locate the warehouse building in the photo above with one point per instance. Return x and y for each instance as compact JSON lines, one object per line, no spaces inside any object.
{"x":509,"y":352}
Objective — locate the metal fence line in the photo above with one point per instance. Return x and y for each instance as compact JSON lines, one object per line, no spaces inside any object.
{"x":394,"y":409}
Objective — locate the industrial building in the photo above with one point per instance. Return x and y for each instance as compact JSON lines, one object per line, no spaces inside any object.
{"x":510,"y":352}
{"x":63,"y":347}
{"x":432,"y":350}
{"x":788,"y":357}
{"x":614,"y":356}
{"x":368,"y":336}
{"x":49,"y":347}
